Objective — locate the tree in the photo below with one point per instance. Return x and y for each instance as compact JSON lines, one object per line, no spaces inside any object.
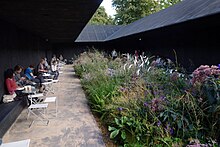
{"x":128,"y":11}
{"x":101,"y":17}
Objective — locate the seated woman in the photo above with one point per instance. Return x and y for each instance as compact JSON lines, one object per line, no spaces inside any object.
{"x":54,"y":69}
{"x":21,"y":80}
{"x":11,"y":84}
{"x":10,"y":81}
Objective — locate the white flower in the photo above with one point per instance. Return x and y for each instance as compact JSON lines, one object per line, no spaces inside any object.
{"x":130,"y":66}
{"x":138,"y":72}
{"x":125,"y":66}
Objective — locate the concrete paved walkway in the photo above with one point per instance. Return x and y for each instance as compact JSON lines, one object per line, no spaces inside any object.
{"x":75,"y":125}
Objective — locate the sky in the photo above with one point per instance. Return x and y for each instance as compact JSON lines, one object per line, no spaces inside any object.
{"x":108,"y":7}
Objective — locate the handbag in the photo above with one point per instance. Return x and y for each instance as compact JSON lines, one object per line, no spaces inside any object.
{"x":9,"y":98}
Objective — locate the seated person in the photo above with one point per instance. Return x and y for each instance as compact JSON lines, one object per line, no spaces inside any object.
{"x":21,"y":80}
{"x":11,"y":84}
{"x":10,"y":81}
{"x":54,"y":69}
{"x":47,"y":66}
{"x":30,"y":76}
{"x":41,"y":67}
{"x":61,"y":58}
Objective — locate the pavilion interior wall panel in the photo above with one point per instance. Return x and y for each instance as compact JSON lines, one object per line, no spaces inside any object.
{"x":18,"y":47}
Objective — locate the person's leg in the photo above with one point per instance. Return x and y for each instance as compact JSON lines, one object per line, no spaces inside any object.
{"x":35,"y":80}
{"x":56,"y":74}
{"x":40,"y":78}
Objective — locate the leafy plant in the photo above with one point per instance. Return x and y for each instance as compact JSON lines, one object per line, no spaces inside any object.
{"x":152,"y":103}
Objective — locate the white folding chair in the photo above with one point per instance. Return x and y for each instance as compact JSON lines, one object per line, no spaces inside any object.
{"x":21,"y":143}
{"x":48,"y":87}
{"x":38,"y":110}
{"x":52,"y":100}
{"x":35,"y":95}
{"x":55,"y":81}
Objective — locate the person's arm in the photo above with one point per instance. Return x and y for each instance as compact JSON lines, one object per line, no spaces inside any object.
{"x":31,"y":74}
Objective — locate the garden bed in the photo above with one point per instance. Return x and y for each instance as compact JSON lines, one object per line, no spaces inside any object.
{"x":148,"y":101}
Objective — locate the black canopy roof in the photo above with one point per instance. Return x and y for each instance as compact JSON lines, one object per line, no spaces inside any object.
{"x":186,"y":10}
{"x":56,"y":20}
{"x":97,"y":33}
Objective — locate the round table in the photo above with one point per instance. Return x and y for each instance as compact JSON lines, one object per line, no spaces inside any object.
{"x":30,"y":92}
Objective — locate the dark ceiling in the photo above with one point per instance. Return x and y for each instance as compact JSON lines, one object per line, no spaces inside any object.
{"x":55,"y":20}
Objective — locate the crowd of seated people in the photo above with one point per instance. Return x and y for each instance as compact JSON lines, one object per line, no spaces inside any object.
{"x":17,"y":78}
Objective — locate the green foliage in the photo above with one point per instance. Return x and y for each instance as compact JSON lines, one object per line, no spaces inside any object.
{"x":128,"y":11}
{"x":101,"y":17}
{"x":159,"y":107}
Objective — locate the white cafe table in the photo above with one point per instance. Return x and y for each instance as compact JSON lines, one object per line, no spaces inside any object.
{"x":22,"y":143}
{"x":46,"y":74}
{"x":30,"y":93}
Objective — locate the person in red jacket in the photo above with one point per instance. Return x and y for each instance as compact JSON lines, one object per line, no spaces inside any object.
{"x":10,"y":81}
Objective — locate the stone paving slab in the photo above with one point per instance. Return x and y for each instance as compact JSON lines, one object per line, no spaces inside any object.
{"x":75,"y":125}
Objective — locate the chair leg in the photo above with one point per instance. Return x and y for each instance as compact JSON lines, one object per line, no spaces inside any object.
{"x":42,"y":117}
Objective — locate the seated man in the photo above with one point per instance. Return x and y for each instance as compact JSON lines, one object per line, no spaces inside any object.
{"x":30,"y":76}
{"x":21,"y":80}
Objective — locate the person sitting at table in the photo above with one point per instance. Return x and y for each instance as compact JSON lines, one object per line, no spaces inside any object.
{"x":10,"y":81}
{"x":11,"y":86}
{"x":54,"y":69}
{"x":41,"y":67}
{"x":47,"y":66}
{"x":30,"y":76}
{"x":21,"y":80}
{"x":37,"y":79}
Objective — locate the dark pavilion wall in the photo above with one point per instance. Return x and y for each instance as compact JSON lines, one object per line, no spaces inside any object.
{"x":72,"y":50}
{"x":18,"y":47}
{"x":195,"y":42}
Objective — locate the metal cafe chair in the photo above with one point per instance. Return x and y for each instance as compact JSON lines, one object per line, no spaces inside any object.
{"x":38,"y":110}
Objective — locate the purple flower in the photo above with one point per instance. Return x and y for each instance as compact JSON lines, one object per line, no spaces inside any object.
{"x":162,"y":98}
{"x":145,"y":104}
{"x":171,"y":131}
{"x":155,"y":93}
{"x":158,"y":123}
{"x":120,"y":108}
{"x":218,"y":66}
{"x":122,"y":89}
{"x":167,"y":126}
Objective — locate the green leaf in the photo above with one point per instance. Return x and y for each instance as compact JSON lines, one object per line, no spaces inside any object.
{"x":123,"y":135}
{"x":123,"y":119}
{"x":114,"y":133}
{"x":111,"y":128}
{"x":179,"y":124}
{"x":129,"y":123}
{"x":117,"y":121}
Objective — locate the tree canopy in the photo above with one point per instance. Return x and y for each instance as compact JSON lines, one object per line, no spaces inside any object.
{"x":128,"y":11}
{"x":101,"y":17}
